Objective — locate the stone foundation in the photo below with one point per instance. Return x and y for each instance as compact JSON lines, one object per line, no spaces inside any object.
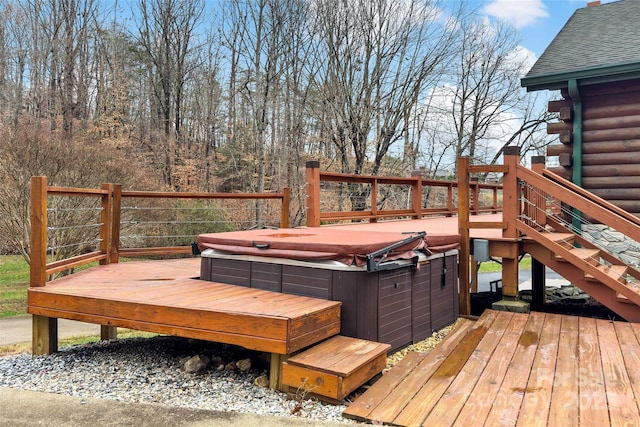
{"x":614,"y":242}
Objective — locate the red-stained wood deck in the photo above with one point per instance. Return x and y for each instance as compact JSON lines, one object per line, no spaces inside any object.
{"x":166,"y":297}
{"x":432,"y":225}
{"x":514,"y":369}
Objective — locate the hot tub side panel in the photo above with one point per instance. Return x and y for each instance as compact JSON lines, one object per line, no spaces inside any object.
{"x":358,"y":292}
{"x":421,"y":302}
{"x":444,"y":291}
{"x":394,"y":307}
{"x":230,"y":271}
{"x":307,"y":281}
{"x":266,"y":276}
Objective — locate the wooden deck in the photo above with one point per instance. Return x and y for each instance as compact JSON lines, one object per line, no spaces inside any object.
{"x":515,"y":369}
{"x":166,"y":297}
{"x":432,"y":225}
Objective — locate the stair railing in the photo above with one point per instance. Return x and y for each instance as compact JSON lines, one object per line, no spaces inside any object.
{"x":548,"y":200}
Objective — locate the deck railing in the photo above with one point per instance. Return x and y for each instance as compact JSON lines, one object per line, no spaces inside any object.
{"x":532,"y":200}
{"x":365,"y":192}
{"x":108,"y":203}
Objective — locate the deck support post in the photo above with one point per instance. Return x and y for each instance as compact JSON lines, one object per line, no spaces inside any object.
{"x":538,"y":284}
{"x":44,"y":335}
{"x":108,"y":333}
{"x":275,"y":372}
{"x":511,"y":210}
{"x":464,"y":299}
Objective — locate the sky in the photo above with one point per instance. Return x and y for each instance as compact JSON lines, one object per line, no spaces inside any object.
{"x":538,"y":21}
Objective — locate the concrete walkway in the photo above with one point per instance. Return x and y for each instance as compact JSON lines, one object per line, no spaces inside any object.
{"x":30,"y":408}
{"x":14,"y":330}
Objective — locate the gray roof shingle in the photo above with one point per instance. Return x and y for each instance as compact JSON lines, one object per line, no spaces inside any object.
{"x":604,"y":35}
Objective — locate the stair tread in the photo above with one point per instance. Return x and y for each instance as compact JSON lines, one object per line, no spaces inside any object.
{"x":559,"y":236}
{"x":616,"y":272}
{"x":340,"y":355}
{"x":590,"y":255}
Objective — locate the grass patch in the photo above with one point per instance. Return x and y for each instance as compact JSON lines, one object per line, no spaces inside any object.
{"x":492,"y":266}
{"x":14,"y":282}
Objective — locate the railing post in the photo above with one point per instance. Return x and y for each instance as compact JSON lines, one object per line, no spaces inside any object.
{"x":106,"y":222}
{"x":106,"y":214}
{"x":450,"y":200}
{"x":416,"y":194}
{"x":539,"y":199}
{"x":510,"y":213}
{"x":313,"y":193}
{"x":116,"y":217}
{"x":38,"y":238}
{"x":374,"y":201}
{"x":464,"y":303}
{"x":284,"y":209}
{"x":475,"y":209}
{"x":44,"y":335}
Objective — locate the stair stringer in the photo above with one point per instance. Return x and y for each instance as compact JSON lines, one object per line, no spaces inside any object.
{"x":604,"y":294}
{"x":605,"y":290}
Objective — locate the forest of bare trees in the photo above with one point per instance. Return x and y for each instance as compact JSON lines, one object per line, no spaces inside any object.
{"x":235,"y":95}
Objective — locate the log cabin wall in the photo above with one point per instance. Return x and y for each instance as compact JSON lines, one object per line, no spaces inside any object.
{"x":610,"y":141}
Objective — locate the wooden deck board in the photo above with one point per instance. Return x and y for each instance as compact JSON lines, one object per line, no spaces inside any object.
{"x":526,"y":370}
{"x":535,"y":403}
{"x":447,"y":409}
{"x":166,"y":298}
{"x":477,"y":409}
{"x":623,"y":408}
{"x":564,"y":399}
{"x":507,"y":404}
{"x":593,"y":400}
{"x":385,"y":387}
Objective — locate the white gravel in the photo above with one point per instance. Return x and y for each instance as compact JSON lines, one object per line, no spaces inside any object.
{"x":149,"y":370}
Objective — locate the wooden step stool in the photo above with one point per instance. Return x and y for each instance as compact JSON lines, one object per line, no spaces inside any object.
{"x":335,"y":367}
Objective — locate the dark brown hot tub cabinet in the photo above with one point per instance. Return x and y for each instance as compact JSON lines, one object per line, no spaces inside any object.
{"x":397,"y":306}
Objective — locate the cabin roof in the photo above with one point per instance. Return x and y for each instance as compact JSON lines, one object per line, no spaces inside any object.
{"x":598,"y":44}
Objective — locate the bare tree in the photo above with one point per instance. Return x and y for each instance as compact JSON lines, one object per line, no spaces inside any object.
{"x":381,"y":55}
{"x":166,"y":32}
{"x":486,"y":85}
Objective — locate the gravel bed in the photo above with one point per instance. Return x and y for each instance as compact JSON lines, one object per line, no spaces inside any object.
{"x":151,"y":370}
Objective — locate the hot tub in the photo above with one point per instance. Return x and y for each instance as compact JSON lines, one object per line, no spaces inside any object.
{"x":395,"y":296}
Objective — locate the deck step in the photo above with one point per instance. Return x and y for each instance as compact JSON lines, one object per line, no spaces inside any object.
{"x":622,"y":298}
{"x":563,"y":239}
{"x":335,"y":367}
{"x":592,"y":256}
{"x":616,"y":272}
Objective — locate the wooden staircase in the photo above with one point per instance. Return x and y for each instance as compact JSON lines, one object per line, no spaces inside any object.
{"x":599,"y":274}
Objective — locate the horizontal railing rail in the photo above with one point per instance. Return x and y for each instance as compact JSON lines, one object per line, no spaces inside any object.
{"x":109,"y":250}
{"x":369,"y":210}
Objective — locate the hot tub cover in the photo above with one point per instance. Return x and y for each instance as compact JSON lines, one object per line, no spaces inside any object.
{"x":350,"y":247}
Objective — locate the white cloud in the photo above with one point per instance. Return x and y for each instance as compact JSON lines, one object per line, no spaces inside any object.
{"x":522,"y":58}
{"x":519,"y":13}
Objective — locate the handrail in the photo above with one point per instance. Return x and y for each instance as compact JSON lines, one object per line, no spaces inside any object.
{"x":117,"y":252}
{"x":40,"y":191}
{"x":590,"y":196}
{"x":110,"y":196}
{"x":315,"y":178}
{"x":588,"y":204}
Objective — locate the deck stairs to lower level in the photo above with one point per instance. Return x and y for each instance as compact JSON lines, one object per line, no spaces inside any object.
{"x":599,"y":274}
